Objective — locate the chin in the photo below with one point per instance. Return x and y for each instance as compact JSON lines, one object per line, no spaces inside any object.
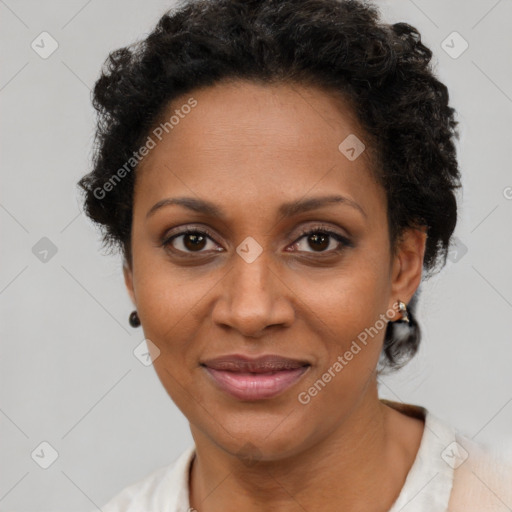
{"x":260,"y":437}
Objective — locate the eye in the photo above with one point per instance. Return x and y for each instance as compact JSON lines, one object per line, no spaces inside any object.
{"x":189,"y":241}
{"x":323,"y":240}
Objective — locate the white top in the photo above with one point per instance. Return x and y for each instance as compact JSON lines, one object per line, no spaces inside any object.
{"x":448,"y":466}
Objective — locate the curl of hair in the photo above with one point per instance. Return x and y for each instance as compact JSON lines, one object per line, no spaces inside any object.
{"x":384,"y":71}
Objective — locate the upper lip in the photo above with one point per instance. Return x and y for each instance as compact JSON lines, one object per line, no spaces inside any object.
{"x":262,"y":364}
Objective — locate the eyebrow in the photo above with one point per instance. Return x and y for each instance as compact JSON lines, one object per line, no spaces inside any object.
{"x":285,"y":210}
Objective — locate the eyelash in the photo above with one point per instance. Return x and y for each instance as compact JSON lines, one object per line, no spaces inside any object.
{"x":342,"y":240}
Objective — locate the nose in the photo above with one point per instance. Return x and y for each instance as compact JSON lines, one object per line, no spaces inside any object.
{"x":253,"y":297}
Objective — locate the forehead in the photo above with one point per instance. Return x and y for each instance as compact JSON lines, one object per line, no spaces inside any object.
{"x":262,"y":142}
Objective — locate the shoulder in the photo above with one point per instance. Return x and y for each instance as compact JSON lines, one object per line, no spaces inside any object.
{"x":453,"y":473}
{"x":482,"y":479}
{"x":163,"y":489}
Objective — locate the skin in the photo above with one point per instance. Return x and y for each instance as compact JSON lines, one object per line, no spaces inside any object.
{"x":249,"y":148}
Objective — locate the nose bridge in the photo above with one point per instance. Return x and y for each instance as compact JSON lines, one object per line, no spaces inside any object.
{"x":252,"y":261}
{"x":251,"y":294}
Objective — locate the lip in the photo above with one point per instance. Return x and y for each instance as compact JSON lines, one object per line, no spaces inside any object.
{"x":258,"y":378}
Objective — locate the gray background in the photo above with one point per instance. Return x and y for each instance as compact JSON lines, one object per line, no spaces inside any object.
{"x":67,"y":369}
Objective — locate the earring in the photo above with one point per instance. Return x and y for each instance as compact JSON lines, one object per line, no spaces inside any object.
{"x":403,"y":309}
{"x":134,"y":319}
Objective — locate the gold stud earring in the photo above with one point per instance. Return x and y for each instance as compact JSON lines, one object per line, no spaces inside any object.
{"x":403,"y":309}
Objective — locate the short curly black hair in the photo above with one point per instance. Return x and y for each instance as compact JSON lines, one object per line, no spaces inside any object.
{"x":382,"y":70}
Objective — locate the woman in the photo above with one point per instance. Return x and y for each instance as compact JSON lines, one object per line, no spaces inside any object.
{"x":278,"y":176}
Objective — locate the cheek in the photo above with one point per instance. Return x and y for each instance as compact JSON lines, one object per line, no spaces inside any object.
{"x":165,"y":301}
{"x":169,"y":310}
{"x":351,"y":310}
{"x":352,"y":349}
{"x":351,"y":299}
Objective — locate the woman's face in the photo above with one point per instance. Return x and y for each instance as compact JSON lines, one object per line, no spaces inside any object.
{"x":251,"y":283}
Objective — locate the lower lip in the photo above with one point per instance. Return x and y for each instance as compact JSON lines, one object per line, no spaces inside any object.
{"x":256,"y":386}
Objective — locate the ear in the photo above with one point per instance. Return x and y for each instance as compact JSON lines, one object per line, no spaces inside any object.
{"x":128,"y":280}
{"x":407,"y":265}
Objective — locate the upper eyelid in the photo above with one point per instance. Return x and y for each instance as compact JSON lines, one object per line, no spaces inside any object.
{"x":207,"y":231}
{"x":167,"y":239}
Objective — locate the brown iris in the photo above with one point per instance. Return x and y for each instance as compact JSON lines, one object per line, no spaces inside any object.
{"x":194,"y":241}
{"x":319,"y":238}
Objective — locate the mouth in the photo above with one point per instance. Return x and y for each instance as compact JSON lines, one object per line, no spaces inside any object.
{"x":254,"y":379}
